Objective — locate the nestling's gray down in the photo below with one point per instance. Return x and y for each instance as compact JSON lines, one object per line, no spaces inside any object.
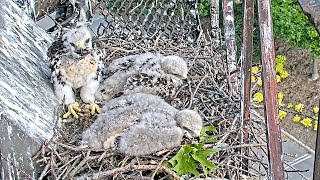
{"x":140,"y":124}
{"x":146,"y":73}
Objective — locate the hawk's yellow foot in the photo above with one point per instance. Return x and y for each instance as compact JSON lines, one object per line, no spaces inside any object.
{"x":93,"y":107}
{"x":72,"y":109}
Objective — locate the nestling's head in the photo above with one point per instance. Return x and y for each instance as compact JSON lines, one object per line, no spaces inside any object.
{"x":189,"y":120}
{"x":175,"y":65}
{"x":78,"y":39}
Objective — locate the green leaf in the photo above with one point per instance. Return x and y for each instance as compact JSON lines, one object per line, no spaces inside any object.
{"x":189,"y":157}
{"x":192,"y":157}
{"x":183,"y":163}
{"x":204,"y":8}
{"x":201,"y":156}
{"x":290,"y":23}
{"x":204,"y":137}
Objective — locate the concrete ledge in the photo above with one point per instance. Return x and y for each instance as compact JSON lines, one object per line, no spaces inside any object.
{"x":28,"y":106}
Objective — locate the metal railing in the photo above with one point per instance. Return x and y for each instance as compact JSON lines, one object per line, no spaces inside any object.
{"x":274,"y":143}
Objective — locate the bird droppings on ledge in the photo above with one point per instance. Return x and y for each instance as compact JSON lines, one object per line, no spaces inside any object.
{"x":21,"y":66}
{"x":28,"y":107}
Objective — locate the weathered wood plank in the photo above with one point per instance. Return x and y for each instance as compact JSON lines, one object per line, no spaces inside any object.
{"x":28,"y":107}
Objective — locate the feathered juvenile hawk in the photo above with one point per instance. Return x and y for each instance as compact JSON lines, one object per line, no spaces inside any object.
{"x":74,"y":64}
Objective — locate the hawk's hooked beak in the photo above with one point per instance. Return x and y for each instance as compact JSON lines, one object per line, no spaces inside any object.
{"x":192,"y":134}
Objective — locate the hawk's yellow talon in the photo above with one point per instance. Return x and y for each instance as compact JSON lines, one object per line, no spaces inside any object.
{"x":76,"y":107}
{"x":66,"y":115}
{"x":72,"y":108}
{"x":93,"y":108}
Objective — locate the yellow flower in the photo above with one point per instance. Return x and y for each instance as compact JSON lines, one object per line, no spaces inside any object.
{"x":280,"y":98}
{"x":255,"y":70}
{"x":259,"y":81}
{"x":315,"y":110}
{"x":283,"y":74}
{"x":278,"y":79}
{"x":253,"y":79}
{"x":282,"y":114}
{"x":306,"y":122}
{"x":279,"y":68}
{"x":299,"y":107}
{"x":258,"y":97}
{"x":290,"y":105}
{"x":296,"y":118}
{"x":280,"y":59}
{"x":315,"y":127}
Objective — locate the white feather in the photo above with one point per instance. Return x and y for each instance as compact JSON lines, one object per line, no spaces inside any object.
{"x":87,"y":92}
{"x":64,"y":93}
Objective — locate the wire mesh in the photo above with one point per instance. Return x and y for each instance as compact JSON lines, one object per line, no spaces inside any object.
{"x":162,"y":22}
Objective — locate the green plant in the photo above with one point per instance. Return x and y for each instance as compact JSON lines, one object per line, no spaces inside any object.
{"x":204,"y":8}
{"x":291,"y":24}
{"x":191,"y":157}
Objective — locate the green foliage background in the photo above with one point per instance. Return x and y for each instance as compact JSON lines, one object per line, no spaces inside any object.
{"x":289,"y":23}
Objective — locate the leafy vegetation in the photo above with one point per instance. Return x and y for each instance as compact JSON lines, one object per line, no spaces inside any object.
{"x":204,"y":8}
{"x":192,"y":157}
{"x":291,"y":24}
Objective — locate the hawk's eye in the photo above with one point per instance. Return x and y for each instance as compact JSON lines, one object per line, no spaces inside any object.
{"x":72,"y":44}
{"x":87,"y":40}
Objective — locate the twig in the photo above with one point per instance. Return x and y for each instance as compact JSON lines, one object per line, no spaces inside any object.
{"x":44,"y":172}
{"x":52,"y":166}
{"x":82,"y":163}
{"x":74,"y":158}
{"x":160,"y":164}
{"x":127,"y":169}
{"x":70,"y":169}
{"x":242,"y":146}
{"x":195,"y":91}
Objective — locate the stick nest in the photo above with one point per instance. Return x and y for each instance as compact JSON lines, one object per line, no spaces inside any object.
{"x":206,"y":90}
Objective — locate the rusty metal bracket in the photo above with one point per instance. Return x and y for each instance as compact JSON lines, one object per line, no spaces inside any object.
{"x":246,"y":59}
{"x":270,"y":91}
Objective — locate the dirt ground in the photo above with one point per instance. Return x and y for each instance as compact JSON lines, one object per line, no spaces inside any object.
{"x":298,"y":89}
